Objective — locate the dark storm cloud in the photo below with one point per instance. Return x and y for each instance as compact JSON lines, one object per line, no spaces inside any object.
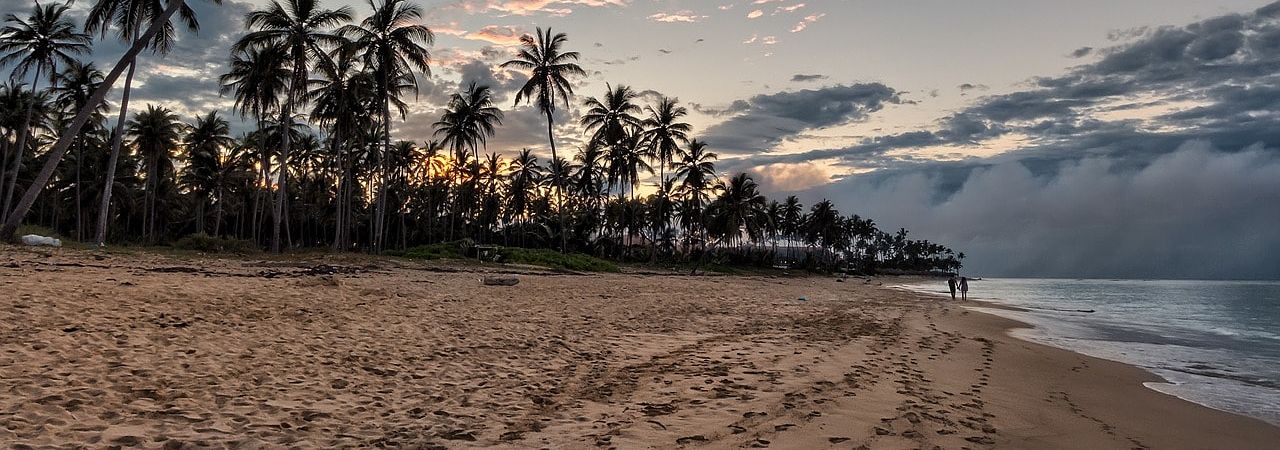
{"x":763,"y":121}
{"x":17,"y":7}
{"x":1190,"y":213}
{"x":1188,"y":192}
{"x":503,"y":83}
{"x":804,"y":78}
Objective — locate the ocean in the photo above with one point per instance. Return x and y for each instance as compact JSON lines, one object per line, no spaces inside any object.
{"x":1216,"y":343}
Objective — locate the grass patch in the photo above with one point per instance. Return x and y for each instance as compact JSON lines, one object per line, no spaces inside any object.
{"x":204,"y":243}
{"x":444,"y":250}
{"x":37,"y":230}
{"x":554,"y":259}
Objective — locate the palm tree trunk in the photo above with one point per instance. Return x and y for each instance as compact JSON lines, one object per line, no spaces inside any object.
{"x":117,"y":138}
{"x":564,"y":233}
{"x":382,"y":163}
{"x":282,"y":189}
{"x":662,"y":200}
{"x":149,"y":209}
{"x":79,"y":208}
{"x":21,"y":146}
{"x":217,"y":215}
{"x":342,"y":185}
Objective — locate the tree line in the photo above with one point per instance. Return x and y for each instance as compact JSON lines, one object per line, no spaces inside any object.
{"x":320,"y":167}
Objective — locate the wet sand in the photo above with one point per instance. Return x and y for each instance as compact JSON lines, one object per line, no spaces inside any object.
{"x":152,"y":351}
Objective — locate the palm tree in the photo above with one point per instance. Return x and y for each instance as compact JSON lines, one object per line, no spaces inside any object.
{"x":256,"y":78}
{"x":740,"y":209}
{"x":208,"y":137}
{"x":159,"y":30}
{"x":663,"y":135}
{"x":155,"y":133}
{"x":822,"y":227}
{"x":36,"y":45}
{"x":468,"y":120}
{"x":301,"y":31}
{"x":129,"y":17}
{"x":467,"y":123}
{"x":393,"y":45}
{"x":615,"y":127}
{"x":431,"y":165}
{"x":611,"y":121}
{"x":74,"y":88}
{"x":551,"y":68}
{"x":696,"y":170}
{"x":792,"y":217}
{"x":590,"y":181}
{"x":341,"y":102}
{"x":526,"y":174}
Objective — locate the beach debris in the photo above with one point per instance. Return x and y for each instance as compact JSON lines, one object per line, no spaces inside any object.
{"x":804,"y":298}
{"x":458,"y":435}
{"x":688,"y":439}
{"x":837,"y":439}
{"x":500,"y":281}
{"x":980,"y":440}
{"x":511,"y":436}
{"x":36,"y":240}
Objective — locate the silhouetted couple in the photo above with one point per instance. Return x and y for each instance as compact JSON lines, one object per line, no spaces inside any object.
{"x":962,"y":285}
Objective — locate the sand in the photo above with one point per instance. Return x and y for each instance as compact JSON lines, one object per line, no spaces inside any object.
{"x":151,"y":351}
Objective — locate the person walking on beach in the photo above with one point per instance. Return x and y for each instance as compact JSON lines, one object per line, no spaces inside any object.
{"x":964,"y":288}
{"x":951,"y":285}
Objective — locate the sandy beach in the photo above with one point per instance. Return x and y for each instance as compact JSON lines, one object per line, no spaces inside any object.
{"x":110,"y":350}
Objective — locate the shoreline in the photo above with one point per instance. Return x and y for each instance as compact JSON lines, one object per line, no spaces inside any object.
{"x":1113,"y":394}
{"x":1029,"y":331}
{"x":156,"y":351}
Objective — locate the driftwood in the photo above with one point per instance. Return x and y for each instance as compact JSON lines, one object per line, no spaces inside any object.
{"x":500,"y":281}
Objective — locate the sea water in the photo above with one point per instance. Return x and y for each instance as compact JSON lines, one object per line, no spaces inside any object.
{"x":1216,"y":343}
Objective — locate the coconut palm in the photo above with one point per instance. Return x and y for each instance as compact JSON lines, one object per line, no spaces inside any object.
{"x":614,"y":119}
{"x":36,"y":46}
{"x":393,"y":44}
{"x":342,"y":104}
{"x":209,"y":136}
{"x":663,"y":135}
{"x":792,"y":218}
{"x":738,"y":210}
{"x":303,"y":32}
{"x":129,"y":18}
{"x":526,"y":174}
{"x":73,"y":89}
{"x":548,"y":84}
{"x":155,"y":133}
{"x":468,"y":120}
{"x":256,"y":79}
{"x":696,"y":172}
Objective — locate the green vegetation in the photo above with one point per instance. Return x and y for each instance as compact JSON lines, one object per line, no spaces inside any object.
{"x":443,"y":250}
{"x":201,"y":242}
{"x":466,"y":249}
{"x":555,"y":259}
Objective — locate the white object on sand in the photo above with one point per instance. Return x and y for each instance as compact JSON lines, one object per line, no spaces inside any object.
{"x":38,"y":240}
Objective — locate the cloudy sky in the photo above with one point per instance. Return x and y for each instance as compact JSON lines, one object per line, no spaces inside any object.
{"x":1082,"y":138}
